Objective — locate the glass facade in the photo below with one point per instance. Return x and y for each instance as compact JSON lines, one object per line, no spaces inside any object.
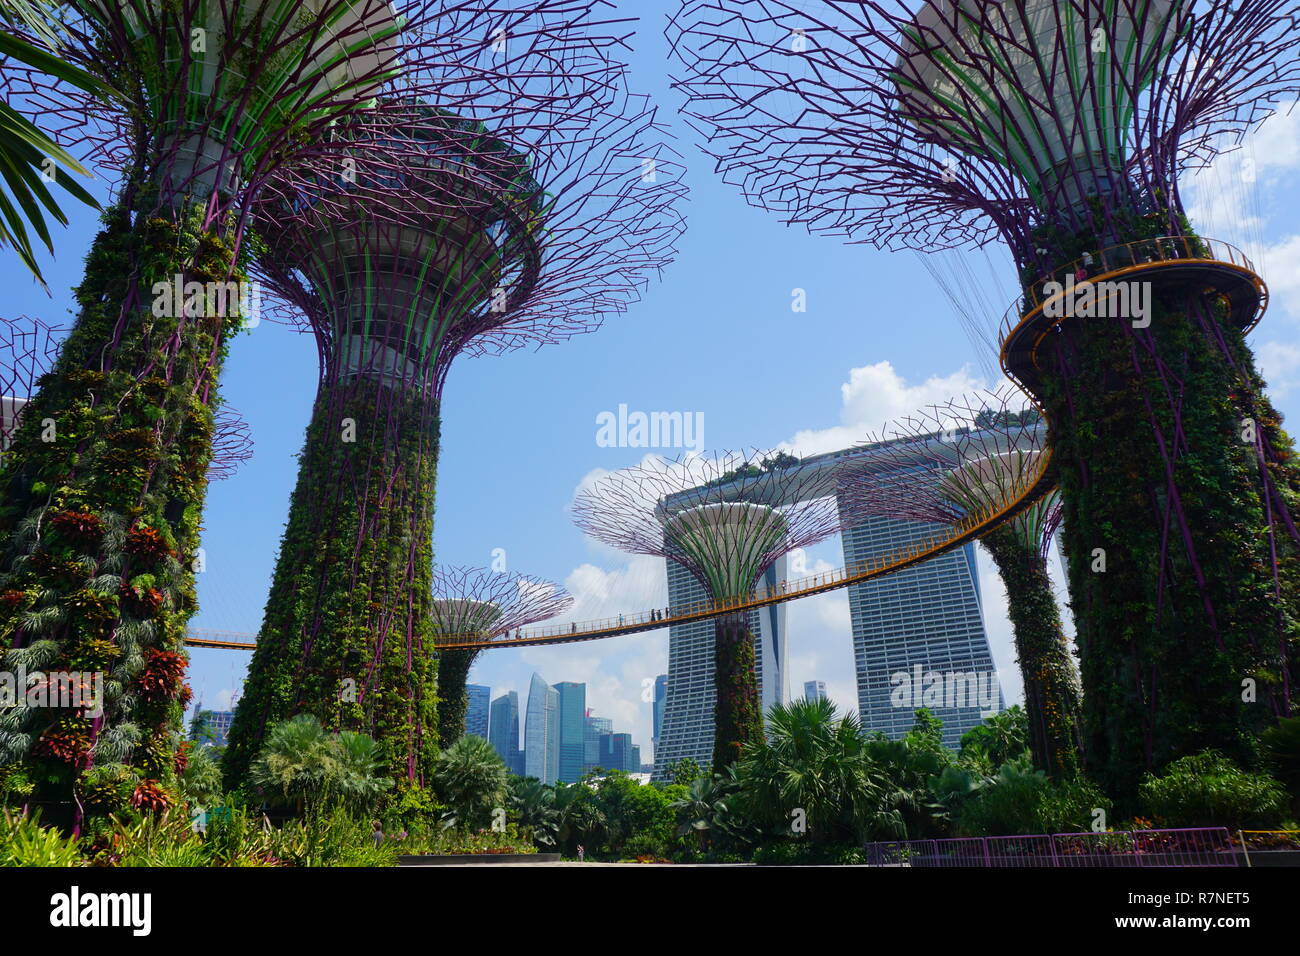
{"x":476,"y":714}
{"x":503,"y":731}
{"x":572,"y":701}
{"x":541,"y":732}
{"x":919,"y":632}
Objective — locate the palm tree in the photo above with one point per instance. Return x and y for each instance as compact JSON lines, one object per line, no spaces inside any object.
{"x":303,"y":764}
{"x":28,"y":157}
{"x":1002,"y":737}
{"x":705,"y":810}
{"x":533,"y":804}
{"x":581,"y":817}
{"x":814,"y":765}
{"x":362,"y":776}
{"x":470,"y":778}
{"x":296,"y":763}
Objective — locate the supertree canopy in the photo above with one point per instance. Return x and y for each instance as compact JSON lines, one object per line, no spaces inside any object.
{"x":476,"y":605}
{"x":213,"y":97}
{"x":1063,"y":128}
{"x":973,"y":455}
{"x":726,"y":519}
{"x":516,"y":221}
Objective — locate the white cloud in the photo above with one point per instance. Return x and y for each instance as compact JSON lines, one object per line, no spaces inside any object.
{"x":875,"y":395}
{"x":1231,"y":198}
{"x":1280,"y":266}
{"x":1279,"y":363}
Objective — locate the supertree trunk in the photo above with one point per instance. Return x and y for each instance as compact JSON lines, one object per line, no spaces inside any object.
{"x":346,"y":634}
{"x":1050,"y":677}
{"x":738,"y":712}
{"x":103,"y":488}
{"x":453,"y":698}
{"x":1182,"y":567}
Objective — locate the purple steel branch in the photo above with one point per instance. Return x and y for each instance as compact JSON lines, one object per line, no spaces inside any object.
{"x":29,"y":349}
{"x":799,"y":106}
{"x":607,"y":189}
{"x":979,"y":451}
{"x":632,"y":509}
{"x":518,"y":599}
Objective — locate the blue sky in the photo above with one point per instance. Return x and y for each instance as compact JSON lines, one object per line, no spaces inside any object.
{"x":717,"y":336}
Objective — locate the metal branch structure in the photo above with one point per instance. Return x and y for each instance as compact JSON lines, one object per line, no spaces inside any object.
{"x":476,"y":605}
{"x":28,"y":350}
{"x":232,"y":443}
{"x":517,"y":221}
{"x":970,"y":455}
{"x":213,"y":98}
{"x":726,"y":519}
{"x":1063,"y":128}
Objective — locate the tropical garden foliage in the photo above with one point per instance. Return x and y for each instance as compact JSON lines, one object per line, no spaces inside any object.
{"x":813,"y":792}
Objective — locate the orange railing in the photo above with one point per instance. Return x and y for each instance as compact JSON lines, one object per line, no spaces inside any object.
{"x":971,"y":527}
{"x":1118,"y":259}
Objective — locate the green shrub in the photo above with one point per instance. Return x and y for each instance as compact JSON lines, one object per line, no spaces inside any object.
{"x":455,"y":840}
{"x":1067,"y":806}
{"x":1208,"y":789}
{"x":238,"y":837}
{"x":1007,"y":804}
{"x":1282,"y":754}
{"x":24,"y":842}
{"x":807,"y":853}
{"x":156,"y":840}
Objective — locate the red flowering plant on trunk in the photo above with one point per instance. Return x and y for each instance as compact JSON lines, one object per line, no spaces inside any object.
{"x":162,"y":675}
{"x":182,"y":759}
{"x":150,"y":796}
{"x":80,"y":528}
{"x":140,"y":601}
{"x":68,"y":743}
{"x":146,"y":543}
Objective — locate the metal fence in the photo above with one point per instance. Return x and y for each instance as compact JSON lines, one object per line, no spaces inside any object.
{"x":1202,"y":846}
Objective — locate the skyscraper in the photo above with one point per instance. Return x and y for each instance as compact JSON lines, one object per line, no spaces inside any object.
{"x":661,"y":695}
{"x":476,"y":714}
{"x":572,"y":725}
{"x":593,"y":728}
{"x":915,"y":628}
{"x":503,"y":731}
{"x":541,"y":732}
{"x":210,"y":727}
{"x":814,"y":690}
{"x":929,"y":615}
{"x":552,"y":735}
{"x":617,"y":752}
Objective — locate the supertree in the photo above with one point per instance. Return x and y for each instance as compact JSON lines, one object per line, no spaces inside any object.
{"x":212,"y":98}
{"x":474,"y":605}
{"x":975,"y":454}
{"x":517,"y":221}
{"x":1063,"y":128}
{"x":726,"y":519}
{"x":28,"y":350}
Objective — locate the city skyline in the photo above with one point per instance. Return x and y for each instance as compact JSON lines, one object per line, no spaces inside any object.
{"x":566,"y":740}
